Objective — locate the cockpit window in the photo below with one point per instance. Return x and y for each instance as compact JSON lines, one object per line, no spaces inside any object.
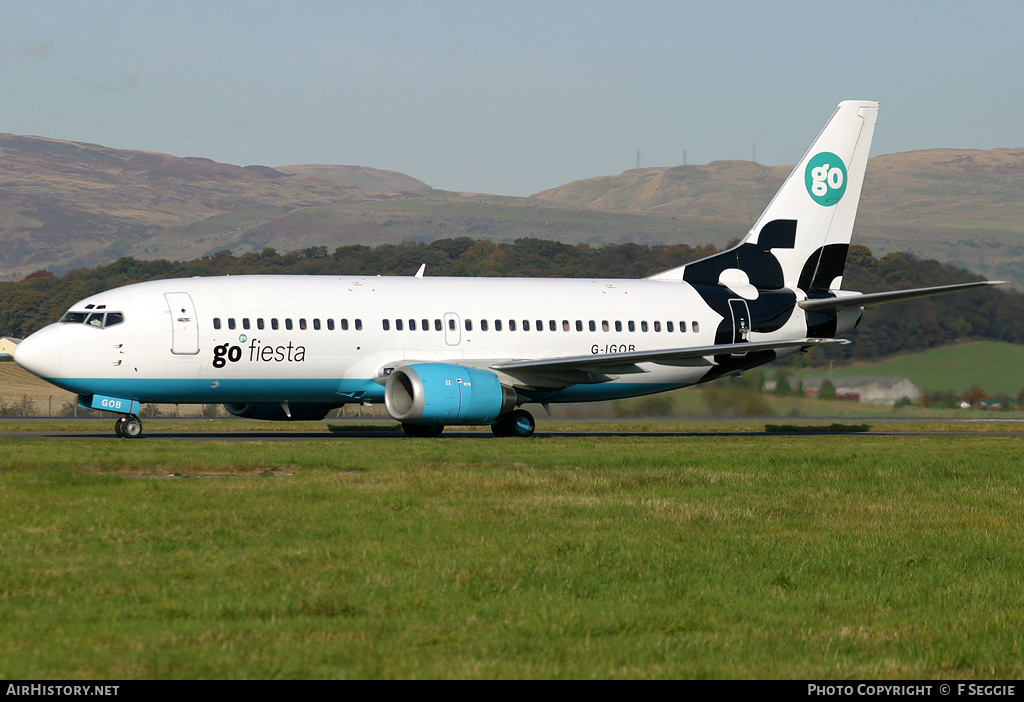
{"x":93,"y":319}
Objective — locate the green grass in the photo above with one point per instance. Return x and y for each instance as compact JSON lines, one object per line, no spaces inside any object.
{"x":997,"y":367}
{"x":622,"y":557}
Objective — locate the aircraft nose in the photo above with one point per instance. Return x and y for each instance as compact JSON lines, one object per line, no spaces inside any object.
{"x":39,"y":354}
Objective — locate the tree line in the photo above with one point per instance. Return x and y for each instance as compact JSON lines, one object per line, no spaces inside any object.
{"x":42,"y":297}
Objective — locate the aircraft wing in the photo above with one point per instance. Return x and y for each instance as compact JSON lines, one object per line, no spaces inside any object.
{"x":625,"y":362}
{"x":868,"y":299}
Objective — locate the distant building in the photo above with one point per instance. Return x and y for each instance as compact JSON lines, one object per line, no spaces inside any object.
{"x":7,"y":345}
{"x":869,"y":389}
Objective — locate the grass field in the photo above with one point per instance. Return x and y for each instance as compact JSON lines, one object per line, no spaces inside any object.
{"x":614,"y":557}
{"x":995,"y":366}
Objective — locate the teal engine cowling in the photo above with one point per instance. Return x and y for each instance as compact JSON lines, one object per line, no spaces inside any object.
{"x":442,"y":393}
{"x":281,"y":411}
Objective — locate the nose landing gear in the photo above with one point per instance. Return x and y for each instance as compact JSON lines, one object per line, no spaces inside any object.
{"x":128,"y":427}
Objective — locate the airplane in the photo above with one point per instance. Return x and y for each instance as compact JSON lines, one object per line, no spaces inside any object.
{"x":471,"y":351}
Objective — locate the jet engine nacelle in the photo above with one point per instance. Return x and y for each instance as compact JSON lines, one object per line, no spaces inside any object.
{"x":281,"y":411}
{"x":441,"y":393}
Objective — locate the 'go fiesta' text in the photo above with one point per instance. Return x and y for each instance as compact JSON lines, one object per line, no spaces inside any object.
{"x":258,"y":353}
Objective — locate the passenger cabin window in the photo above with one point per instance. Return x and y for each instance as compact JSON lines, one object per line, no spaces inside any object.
{"x":483,"y":325}
{"x":469,"y":325}
{"x":695,"y":326}
{"x":316,"y":324}
{"x":386,"y":324}
{"x":231,"y":322}
{"x":245,"y":322}
{"x":344,"y":325}
{"x":359,"y":325}
{"x":302,"y":324}
{"x":216,"y":322}
{"x":274,"y":324}
{"x":288,"y":324}
{"x":511,"y":325}
{"x":330,"y":325}
{"x":259,"y":323}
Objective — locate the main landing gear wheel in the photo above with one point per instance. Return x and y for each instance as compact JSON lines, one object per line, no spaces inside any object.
{"x":423,"y":431}
{"x":516,"y":423}
{"x":128,"y":427}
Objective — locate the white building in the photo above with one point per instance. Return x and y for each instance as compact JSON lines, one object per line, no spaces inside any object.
{"x":7,"y":344}
{"x":869,"y":389}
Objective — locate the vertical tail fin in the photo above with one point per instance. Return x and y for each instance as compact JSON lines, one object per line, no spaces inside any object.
{"x":801,"y":239}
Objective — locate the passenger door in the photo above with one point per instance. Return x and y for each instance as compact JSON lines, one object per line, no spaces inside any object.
{"x":184,"y":327}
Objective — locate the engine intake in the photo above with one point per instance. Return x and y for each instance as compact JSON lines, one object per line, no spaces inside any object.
{"x":442,"y":393}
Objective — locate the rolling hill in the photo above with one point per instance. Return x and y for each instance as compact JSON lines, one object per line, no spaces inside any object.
{"x":964,"y":207}
{"x":996,"y":367}
{"x":66,"y":204}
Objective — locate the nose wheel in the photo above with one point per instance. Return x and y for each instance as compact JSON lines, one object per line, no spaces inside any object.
{"x":128,"y":427}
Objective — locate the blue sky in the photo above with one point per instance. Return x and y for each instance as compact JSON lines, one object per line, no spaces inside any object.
{"x":512,"y":97}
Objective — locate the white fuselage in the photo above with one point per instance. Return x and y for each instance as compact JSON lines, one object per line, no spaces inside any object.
{"x":237,"y":339}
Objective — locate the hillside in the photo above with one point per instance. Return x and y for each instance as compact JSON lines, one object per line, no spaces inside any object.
{"x":994,"y":366}
{"x":961,"y":189}
{"x":964,"y":207}
{"x":65,"y":205}
{"x":372,"y":179}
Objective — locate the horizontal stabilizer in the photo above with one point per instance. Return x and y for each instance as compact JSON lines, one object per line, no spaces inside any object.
{"x":866,"y":300}
{"x":694,"y":355}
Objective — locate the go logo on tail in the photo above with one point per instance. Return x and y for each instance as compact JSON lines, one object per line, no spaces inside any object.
{"x":825,"y":178}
